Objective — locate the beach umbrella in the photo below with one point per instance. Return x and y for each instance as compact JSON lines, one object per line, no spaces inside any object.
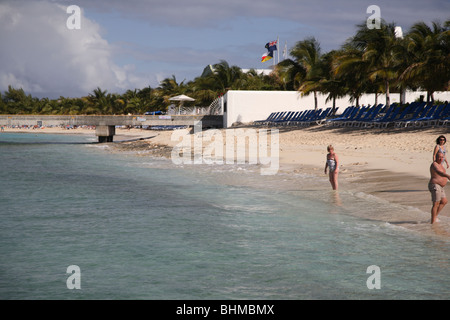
{"x":181,"y":98}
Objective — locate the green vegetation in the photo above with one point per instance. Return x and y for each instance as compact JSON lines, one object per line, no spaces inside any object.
{"x":372,"y":61}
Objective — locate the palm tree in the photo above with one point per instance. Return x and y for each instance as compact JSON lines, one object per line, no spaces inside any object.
{"x":98,"y":101}
{"x":290,"y":72}
{"x":18,"y":101}
{"x":330,"y":84}
{"x":226,"y":77}
{"x":379,"y":49}
{"x":304,"y":71}
{"x":428,"y":49}
{"x":351,"y":70}
{"x":170,"y":87}
{"x":218,"y":79}
{"x":308,"y":54}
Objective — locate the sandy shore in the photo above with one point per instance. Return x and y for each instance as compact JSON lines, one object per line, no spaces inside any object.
{"x":392,"y":164}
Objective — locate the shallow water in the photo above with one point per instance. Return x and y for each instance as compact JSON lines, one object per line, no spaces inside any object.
{"x":143,"y":228}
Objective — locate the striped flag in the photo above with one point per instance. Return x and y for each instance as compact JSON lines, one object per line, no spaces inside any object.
{"x":267,"y":56}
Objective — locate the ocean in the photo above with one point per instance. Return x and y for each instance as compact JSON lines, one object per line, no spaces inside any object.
{"x":79,"y":221}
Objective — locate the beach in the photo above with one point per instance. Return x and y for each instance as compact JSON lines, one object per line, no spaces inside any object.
{"x":391,"y":164}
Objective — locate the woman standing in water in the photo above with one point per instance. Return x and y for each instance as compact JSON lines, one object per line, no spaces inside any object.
{"x":440,"y":147}
{"x":333,"y":164}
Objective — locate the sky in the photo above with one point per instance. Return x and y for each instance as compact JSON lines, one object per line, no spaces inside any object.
{"x":119,"y":45}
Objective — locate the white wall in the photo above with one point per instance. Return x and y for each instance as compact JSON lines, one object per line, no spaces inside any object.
{"x":248,"y":106}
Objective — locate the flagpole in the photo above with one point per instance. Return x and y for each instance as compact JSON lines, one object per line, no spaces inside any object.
{"x":278,"y":48}
{"x":274,"y":58}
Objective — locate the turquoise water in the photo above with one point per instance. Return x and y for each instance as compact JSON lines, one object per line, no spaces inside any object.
{"x":142,"y":228}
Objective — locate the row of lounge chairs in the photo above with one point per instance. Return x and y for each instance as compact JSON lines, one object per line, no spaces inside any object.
{"x":299,"y":118}
{"x":416,"y":114}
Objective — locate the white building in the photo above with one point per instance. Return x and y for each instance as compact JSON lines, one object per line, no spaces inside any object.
{"x":248,"y":106}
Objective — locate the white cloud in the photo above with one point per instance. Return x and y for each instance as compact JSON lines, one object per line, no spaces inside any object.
{"x":42,"y":56}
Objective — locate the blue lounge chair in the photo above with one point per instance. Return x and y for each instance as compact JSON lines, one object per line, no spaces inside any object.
{"x":383,"y":115}
{"x":350,"y":115}
{"x":288,"y":119}
{"x":421,"y":109}
{"x":270,"y":117}
{"x":413,"y":108}
{"x":323,"y":116}
{"x":287,"y":116}
{"x":393,"y":117}
{"x":311,"y":115}
{"x":315,"y":117}
{"x":425,"y":116}
{"x":304,"y":116}
{"x":370,"y":116}
{"x":296,"y":117}
{"x":344,"y":114}
{"x":445,"y":118}
{"x":356,"y":117}
{"x":436,"y":118}
{"x":435,"y":114}
{"x":280,"y":116}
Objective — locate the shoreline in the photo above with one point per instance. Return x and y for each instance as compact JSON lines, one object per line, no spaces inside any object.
{"x":391,"y":164}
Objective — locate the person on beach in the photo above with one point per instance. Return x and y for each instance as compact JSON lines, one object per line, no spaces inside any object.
{"x":440,"y":147}
{"x":436,"y":186}
{"x":333,"y":165}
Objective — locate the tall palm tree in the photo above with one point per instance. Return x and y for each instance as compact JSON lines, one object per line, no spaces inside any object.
{"x":304,"y":71}
{"x":98,"y":101}
{"x":351,"y":69}
{"x":308,"y":54}
{"x":329,"y":83}
{"x":379,"y":49}
{"x":429,"y":52}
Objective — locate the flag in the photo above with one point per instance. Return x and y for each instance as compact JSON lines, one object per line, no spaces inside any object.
{"x":271,"y":46}
{"x":267,"y":56}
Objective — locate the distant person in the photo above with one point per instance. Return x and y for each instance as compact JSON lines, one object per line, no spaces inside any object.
{"x":440,"y":147}
{"x":333,"y":165}
{"x":436,"y":186}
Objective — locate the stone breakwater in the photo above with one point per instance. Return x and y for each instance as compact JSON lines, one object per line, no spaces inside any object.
{"x":143,"y":148}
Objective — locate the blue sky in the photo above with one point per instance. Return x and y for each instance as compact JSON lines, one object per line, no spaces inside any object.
{"x":132,"y":44}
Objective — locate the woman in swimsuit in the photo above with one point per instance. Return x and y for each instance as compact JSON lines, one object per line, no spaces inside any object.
{"x":440,"y":147}
{"x":333,"y":164}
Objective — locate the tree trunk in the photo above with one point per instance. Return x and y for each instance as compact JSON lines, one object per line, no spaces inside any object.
{"x":315,"y":100}
{"x":402,"y":96}
{"x":388,"y":100}
{"x":430,"y":97}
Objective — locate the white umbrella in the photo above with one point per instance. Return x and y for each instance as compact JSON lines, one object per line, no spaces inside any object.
{"x":181,"y":98}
